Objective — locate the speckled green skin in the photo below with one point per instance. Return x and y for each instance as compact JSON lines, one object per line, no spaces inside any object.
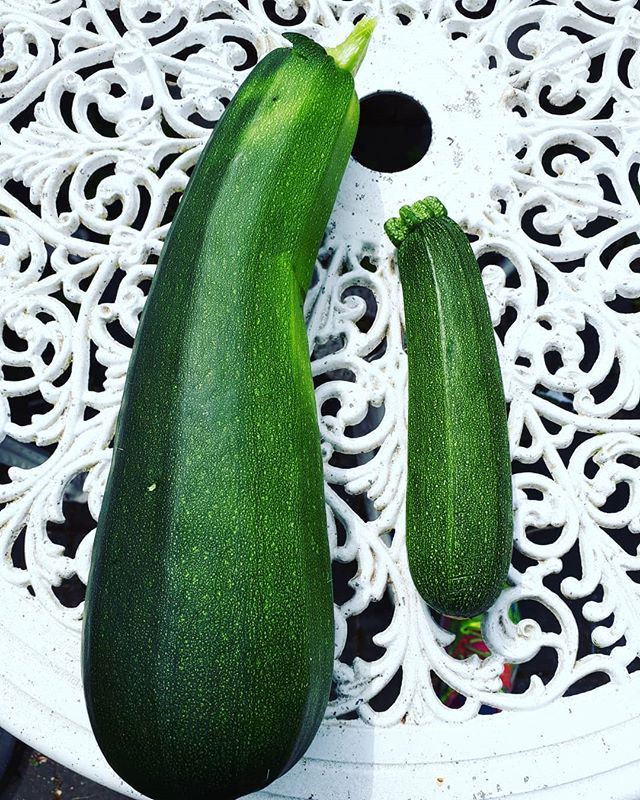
{"x":208,"y":632}
{"x":459,"y":511}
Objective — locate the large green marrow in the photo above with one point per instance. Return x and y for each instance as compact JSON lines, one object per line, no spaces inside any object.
{"x":459,"y":508}
{"x":208,"y":631}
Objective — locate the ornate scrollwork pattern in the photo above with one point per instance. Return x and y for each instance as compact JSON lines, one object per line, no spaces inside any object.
{"x":106,"y":107}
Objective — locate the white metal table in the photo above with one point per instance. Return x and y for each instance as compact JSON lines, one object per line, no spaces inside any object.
{"x":535,"y":115}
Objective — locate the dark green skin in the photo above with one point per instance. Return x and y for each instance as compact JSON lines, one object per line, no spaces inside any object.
{"x":459,"y":508}
{"x":208,"y":633}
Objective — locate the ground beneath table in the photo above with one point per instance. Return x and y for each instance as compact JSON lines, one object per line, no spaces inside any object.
{"x":32,"y":776}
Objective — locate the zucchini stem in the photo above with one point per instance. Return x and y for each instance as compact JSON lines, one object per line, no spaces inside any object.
{"x":411,"y":216}
{"x":350,"y":53}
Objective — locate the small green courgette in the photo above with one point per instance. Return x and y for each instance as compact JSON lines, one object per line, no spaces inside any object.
{"x":208,"y":630}
{"x":458,"y":511}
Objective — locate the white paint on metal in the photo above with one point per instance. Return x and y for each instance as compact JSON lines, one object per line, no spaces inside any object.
{"x":111,"y":116}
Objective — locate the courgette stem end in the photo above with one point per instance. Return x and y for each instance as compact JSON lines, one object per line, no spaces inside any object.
{"x":411,"y":216}
{"x":350,"y":54}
